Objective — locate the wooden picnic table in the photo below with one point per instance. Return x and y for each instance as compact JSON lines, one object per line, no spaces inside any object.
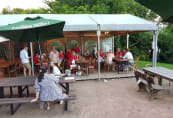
{"x":24,"y":82}
{"x":160,"y":72}
{"x":118,"y":61}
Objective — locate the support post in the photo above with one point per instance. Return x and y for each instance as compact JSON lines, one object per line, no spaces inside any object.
{"x":98,"y":36}
{"x":32,"y":59}
{"x":81,"y":41}
{"x":127,"y":41}
{"x":113,"y":44}
{"x":155,"y":48}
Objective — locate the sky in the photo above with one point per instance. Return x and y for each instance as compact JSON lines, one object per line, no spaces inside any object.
{"x":25,"y":4}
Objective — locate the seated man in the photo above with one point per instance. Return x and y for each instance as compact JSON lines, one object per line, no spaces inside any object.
{"x":128,"y":55}
{"x":85,"y":53}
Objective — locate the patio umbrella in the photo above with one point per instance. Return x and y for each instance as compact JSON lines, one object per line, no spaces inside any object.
{"x":162,"y":7}
{"x":33,"y":29}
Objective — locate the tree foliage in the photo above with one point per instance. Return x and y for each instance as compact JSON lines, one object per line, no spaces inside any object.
{"x":165,"y":44}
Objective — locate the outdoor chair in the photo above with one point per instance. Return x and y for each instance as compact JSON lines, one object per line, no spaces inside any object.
{"x":13,"y":69}
{"x":91,"y":65}
{"x":19,"y":66}
{"x":84,"y":67}
{"x":134,"y":66}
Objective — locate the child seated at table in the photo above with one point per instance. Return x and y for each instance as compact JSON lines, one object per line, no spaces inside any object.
{"x":73,"y":60}
{"x":54,"y":69}
{"x":47,"y":89}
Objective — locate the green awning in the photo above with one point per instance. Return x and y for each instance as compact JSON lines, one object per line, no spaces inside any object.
{"x":32,"y":29}
{"x":162,"y":7}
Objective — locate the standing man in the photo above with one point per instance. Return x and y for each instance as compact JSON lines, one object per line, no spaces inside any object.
{"x":76,"y":49}
{"x":25,"y":60}
{"x":54,"y":56}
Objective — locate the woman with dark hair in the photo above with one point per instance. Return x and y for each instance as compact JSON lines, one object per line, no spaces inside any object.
{"x":47,"y":88}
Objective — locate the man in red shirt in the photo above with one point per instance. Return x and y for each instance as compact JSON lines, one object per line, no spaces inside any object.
{"x":68,"y":54}
{"x":76,"y":49}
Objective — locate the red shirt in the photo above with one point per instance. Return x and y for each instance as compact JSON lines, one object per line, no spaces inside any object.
{"x":36,"y":59}
{"x":123,"y":54}
{"x":71,"y":59}
{"x":61,"y":56}
{"x":118,"y":54}
{"x":76,"y":49}
{"x":68,"y":54}
{"x":101,"y":54}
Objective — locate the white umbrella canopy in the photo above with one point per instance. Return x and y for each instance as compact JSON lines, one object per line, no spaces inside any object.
{"x":2,"y":39}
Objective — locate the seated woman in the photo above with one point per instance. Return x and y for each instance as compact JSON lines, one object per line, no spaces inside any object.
{"x":47,"y":88}
{"x":118,"y":53}
{"x":109,"y":57}
{"x":124,"y":52}
{"x":101,"y":55}
{"x":36,"y":58}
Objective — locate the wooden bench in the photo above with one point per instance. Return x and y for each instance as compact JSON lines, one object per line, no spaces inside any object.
{"x":19,"y":101}
{"x":147,"y":83}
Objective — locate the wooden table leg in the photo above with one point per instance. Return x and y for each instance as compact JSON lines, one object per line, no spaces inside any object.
{"x":66,"y":102}
{"x":20,"y":93}
{"x":1,"y":92}
{"x":160,"y":80}
{"x":11,"y":91}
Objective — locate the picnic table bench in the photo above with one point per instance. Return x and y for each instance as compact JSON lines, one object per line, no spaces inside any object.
{"x":23,"y":83}
{"x":147,"y":83}
{"x":160,"y":73}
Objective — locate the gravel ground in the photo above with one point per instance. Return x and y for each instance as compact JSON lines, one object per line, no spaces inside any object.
{"x":117,"y":98}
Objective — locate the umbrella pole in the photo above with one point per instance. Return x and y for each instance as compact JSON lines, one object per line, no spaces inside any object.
{"x":38,"y":41}
{"x":40,"y":52}
{"x":32,"y":58}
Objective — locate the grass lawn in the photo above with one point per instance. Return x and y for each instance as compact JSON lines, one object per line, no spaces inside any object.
{"x":142,"y":64}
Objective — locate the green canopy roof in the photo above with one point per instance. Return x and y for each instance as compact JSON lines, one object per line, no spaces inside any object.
{"x":162,"y":7}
